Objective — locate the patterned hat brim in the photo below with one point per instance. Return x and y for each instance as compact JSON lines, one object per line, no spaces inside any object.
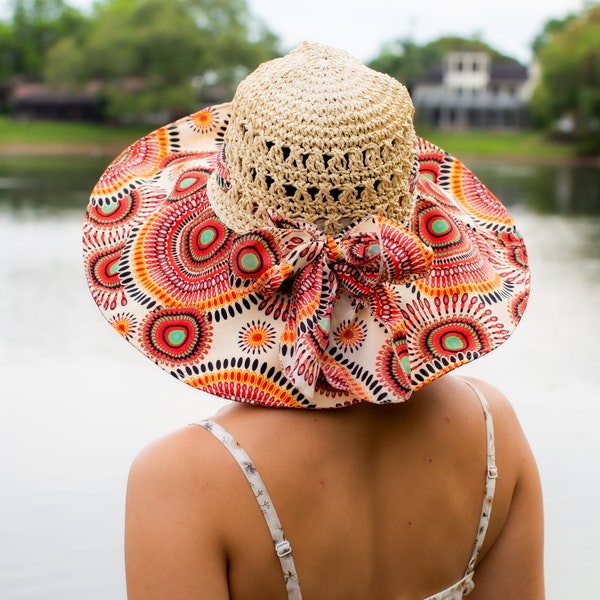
{"x":158,"y":263}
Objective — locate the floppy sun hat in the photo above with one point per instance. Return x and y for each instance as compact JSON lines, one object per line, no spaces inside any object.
{"x":302,"y":247}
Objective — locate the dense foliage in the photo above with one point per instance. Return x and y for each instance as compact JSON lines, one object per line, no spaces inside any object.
{"x":145,"y":56}
{"x":567,"y":97}
{"x":35,"y":26}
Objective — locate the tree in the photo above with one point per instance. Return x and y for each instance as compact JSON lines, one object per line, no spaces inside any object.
{"x":405,"y":60}
{"x":6,"y":49}
{"x":36,"y":25}
{"x":155,"y":55}
{"x":569,"y":87}
{"x":551,"y":27}
{"x":234,"y":42}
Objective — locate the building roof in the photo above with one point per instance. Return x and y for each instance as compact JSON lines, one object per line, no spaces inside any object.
{"x":32,"y":93}
{"x":508,"y":70}
{"x":500,"y":71}
{"x":435,"y":74}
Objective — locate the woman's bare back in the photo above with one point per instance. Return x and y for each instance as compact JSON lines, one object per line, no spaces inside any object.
{"x":377,"y":502}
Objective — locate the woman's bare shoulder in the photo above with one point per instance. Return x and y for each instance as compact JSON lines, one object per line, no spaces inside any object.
{"x":185,"y":459}
{"x":173,"y":502}
{"x":511,"y":563}
{"x":506,"y":421}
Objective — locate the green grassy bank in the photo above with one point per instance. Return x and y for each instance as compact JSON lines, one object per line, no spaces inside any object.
{"x":522,"y":145}
{"x":69,"y":137}
{"x":44,"y":135}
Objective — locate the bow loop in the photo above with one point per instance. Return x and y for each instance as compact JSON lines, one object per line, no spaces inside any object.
{"x":297,"y":258}
{"x":380,"y":251}
{"x":266,"y":258}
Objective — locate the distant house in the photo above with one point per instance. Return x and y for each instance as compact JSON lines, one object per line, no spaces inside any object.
{"x":470,"y":90}
{"x":36,"y":101}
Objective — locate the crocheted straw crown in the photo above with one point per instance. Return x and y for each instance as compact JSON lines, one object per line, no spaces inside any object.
{"x":316,"y":135}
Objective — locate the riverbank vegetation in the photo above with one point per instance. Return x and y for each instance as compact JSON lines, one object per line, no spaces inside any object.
{"x":149,"y":61}
{"x":532,"y":146}
{"x":64,"y":133}
{"x":55,"y":137}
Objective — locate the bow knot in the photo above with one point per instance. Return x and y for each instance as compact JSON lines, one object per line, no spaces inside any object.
{"x":298,"y":259}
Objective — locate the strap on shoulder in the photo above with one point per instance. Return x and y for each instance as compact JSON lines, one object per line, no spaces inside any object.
{"x":283,"y":549}
{"x":490,"y":480}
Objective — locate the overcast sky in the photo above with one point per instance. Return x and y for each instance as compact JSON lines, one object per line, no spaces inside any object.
{"x":361,"y":27}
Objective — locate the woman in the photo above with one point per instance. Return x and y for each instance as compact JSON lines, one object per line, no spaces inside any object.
{"x":303,"y":249}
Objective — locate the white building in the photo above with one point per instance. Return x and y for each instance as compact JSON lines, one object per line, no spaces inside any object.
{"x":469,"y":90}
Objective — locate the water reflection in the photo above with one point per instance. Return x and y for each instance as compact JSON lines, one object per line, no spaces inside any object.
{"x":47,"y":184}
{"x":53,"y":183}
{"x":544,"y":189}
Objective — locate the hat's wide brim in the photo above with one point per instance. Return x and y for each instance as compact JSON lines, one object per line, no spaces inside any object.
{"x":157,"y":262}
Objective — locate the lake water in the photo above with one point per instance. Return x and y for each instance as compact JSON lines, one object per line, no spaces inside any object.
{"x":77,"y":404}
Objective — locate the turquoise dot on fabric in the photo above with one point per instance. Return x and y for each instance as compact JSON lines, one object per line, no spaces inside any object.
{"x":405,"y":364}
{"x":114,"y":268}
{"x":325,"y":324}
{"x":207,"y":236}
{"x":453,"y":342}
{"x":249,"y":261}
{"x":440,"y":226}
{"x":374,"y":249}
{"x":176,"y":337}
{"x":187,"y":182}
{"x":108,"y":208}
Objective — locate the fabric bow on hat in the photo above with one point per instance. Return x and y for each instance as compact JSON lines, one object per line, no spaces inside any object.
{"x":291,"y":309}
{"x":296,"y":258}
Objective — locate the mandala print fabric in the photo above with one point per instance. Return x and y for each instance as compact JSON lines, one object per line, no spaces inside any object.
{"x":285,"y":315}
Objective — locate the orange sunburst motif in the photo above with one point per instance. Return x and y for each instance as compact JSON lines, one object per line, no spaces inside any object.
{"x":257,"y":337}
{"x":124,"y":324}
{"x":204,"y":120}
{"x":350,"y":335}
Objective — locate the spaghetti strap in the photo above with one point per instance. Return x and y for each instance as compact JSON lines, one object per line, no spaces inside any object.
{"x":490,"y":480}
{"x":283,"y":549}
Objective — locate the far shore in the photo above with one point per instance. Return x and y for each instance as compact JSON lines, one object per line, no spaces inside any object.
{"x":92,"y":140}
{"x":61,"y":149}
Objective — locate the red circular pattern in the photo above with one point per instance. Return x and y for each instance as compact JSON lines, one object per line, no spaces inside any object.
{"x":452,"y":337}
{"x":190,"y":182}
{"x":186,"y":252}
{"x":140,"y":160}
{"x":176,"y":336}
{"x":111,"y":212}
{"x":103,"y":268}
{"x":390,"y":371}
{"x":251,"y":256}
{"x":203,"y":243}
{"x":440,"y":231}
